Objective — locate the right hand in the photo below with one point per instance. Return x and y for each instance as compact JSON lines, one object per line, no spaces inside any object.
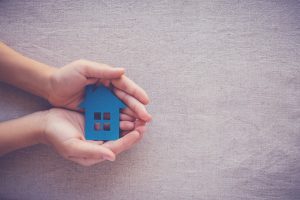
{"x":64,"y":131}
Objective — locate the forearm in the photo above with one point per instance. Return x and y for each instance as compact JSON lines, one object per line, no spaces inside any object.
{"x":23,"y":72}
{"x":22,"y":132}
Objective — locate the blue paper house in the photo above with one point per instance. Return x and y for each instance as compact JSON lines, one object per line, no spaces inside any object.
{"x":102,"y":113}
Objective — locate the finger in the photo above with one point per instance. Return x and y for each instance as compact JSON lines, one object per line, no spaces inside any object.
{"x":84,"y":161}
{"x":131,"y":88}
{"x":140,"y":126}
{"x":96,"y":70}
{"x":126,"y":125}
{"x":106,"y":83}
{"x":129,"y":112}
{"x":142,"y":129}
{"x":80,"y":148}
{"x":124,"y":143}
{"x":125,"y":117}
{"x":123,"y":133}
{"x":133,"y":104}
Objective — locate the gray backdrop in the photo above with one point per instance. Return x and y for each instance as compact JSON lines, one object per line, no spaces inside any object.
{"x":224,"y":80}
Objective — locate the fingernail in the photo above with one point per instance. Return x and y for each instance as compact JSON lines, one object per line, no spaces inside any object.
{"x":108,"y":158}
{"x":120,"y":68}
{"x":149,"y":118}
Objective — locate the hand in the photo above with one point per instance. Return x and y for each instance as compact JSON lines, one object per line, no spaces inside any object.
{"x":66,"y":88}
{"x":64,"y":131}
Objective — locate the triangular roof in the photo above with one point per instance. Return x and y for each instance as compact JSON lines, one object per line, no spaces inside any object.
{"x":100,"y":97}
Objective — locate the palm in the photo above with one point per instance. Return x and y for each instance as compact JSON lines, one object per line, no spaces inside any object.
{"x":62,"y":127}
{"x":64,"y":131}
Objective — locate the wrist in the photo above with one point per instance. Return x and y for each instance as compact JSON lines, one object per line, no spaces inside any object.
{"x":48,"y":88}
{"x":23,"y":72}
{"x":22,"y":132}
{"x":40,"y":119}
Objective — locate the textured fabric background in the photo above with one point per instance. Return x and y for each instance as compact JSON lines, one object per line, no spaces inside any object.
{"x":224,"y":79}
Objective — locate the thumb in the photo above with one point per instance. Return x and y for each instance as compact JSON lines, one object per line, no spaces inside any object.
{"x":84,"y":149}
{"x":96,"y":70}
{"x":124,"y":143}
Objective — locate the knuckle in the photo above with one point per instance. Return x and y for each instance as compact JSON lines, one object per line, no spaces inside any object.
{"x":123,"y":146}
{"x":121,"y":94}
{"x":81,"y":61}
{"x":134,"y":91}
{"x":105,"y":66}
{"x":68,"y":152}
{"x":123,"y":83}
{"x":69,"y":148}
{"x":135,"y":108}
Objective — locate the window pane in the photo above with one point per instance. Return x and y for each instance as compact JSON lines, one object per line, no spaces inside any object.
{"x":97,"y":126}
{"x":97,"y":116}
{"x":106,"y":116}
{"x":106,"y":126}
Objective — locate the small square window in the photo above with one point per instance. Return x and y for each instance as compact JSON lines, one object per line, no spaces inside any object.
{"x":97,"y":115}
{"x":97,"y":126}
{"x":106,"y":126}
{"x":106,"y":116}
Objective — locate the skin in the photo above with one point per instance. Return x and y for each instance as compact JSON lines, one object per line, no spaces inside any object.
{"x":61,"y":128}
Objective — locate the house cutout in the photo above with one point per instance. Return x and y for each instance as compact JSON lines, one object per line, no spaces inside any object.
{"x":102,"y":113}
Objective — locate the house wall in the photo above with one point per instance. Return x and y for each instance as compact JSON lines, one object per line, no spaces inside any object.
{"x":224,"y":82}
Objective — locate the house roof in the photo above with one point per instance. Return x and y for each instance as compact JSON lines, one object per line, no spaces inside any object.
{"x":100,"y":97}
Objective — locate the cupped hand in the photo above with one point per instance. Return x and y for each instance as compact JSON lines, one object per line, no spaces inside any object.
{"x":64,"y":131}
{"x":66,"y":86}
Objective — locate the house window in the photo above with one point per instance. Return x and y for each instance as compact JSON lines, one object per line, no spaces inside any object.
{"x":106,"y":126}
{"x":97,"y":115}
{"x":99,"y":123}
{"x":97,"y":126}
{"x":106,"y":116}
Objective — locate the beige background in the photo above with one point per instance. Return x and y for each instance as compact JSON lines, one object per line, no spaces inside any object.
{"x":224,"y":79}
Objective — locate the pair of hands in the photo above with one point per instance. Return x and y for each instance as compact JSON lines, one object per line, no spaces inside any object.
{"x":64,"y":129}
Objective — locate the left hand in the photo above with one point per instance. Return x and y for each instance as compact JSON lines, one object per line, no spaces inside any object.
{"x":66,"y":86}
